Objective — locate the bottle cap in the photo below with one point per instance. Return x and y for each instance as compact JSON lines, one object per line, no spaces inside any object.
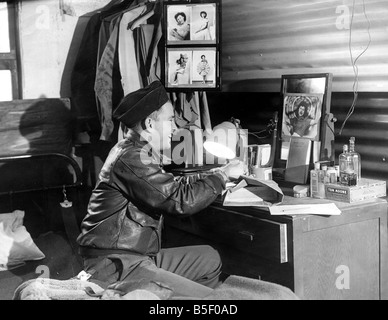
{"x":317,"y":166}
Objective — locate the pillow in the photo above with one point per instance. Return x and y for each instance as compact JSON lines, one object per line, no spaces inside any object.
{"x":17,"y":245}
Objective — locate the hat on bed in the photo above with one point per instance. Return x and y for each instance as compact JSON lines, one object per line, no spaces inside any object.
{"x":139,"y":104}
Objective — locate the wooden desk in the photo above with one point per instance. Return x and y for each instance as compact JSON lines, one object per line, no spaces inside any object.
{"x":318,"y":257}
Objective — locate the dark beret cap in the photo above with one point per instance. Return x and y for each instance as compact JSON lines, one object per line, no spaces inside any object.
{"x":139,"y":104}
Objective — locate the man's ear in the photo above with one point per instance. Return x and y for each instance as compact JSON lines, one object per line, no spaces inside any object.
{"x":148,"y":122}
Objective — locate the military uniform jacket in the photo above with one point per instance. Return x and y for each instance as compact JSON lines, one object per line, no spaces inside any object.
{"x":126,"y":208}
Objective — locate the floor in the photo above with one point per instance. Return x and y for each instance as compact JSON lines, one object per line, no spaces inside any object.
{"x":58,"y":264}
{"x":44,"y":223}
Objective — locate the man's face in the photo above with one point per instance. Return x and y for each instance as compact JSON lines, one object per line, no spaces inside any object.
{"x":180,"y":20}
{"x":164,"y":127}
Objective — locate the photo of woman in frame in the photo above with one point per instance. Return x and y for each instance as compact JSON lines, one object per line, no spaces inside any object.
{"x":178,"y":23}
{"x":203,"y":26}
{"x":179,"y":67}
{"x":302,"y":115}
{"x":204,"y":67}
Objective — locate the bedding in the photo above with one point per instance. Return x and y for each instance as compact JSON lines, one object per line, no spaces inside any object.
{"x":233,"y":288}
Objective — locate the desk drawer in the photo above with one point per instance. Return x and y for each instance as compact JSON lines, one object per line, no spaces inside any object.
{"x":261,"y":237}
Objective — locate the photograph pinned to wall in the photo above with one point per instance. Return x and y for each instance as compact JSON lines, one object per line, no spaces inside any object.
{"x":203,"y":27}
{"x":302,"y":115}
{"x":192,"y":68}
{"x":178,"y":68}
{"x":204,"y":67}
{"x":178,"y":24}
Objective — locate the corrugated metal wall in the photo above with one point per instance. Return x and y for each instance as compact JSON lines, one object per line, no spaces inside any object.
{"x":369,"y":125}
{"x":263,"y":39}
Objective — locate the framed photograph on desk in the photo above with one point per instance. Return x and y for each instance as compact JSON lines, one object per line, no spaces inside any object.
{"x":305,"y":113}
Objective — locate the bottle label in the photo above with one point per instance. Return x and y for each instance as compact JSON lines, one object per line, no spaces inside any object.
{"x":348,"y":178}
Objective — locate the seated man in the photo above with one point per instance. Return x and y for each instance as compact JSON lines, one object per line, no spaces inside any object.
{"x":121,"y":234}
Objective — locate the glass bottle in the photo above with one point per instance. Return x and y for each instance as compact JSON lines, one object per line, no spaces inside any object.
{"x":347,"y":176}
{"x":317,"y":186}
{"x":356,"y":158}
{"x":314,"y":181}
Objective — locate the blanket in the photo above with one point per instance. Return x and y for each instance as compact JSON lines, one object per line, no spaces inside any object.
{"x":233,"y":288}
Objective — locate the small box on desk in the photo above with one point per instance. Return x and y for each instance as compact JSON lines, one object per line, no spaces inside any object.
{"x":366,"y":189}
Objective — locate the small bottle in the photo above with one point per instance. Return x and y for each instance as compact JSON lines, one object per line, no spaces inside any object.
{"x":314,"y":180}
{"x":321,"y":183}
{"x":332,"y":173}
{"x":356,"y":158}
{"x":348,"y":176}
{"x":317,"y":186}
{"x":337,"y":170}
{"x":325,"y":175}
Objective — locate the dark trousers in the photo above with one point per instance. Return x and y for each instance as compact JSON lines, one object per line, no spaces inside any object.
{"x":191,"y":271}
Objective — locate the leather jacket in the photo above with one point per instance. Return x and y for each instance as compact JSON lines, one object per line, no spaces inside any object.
{"x":126,"y":208}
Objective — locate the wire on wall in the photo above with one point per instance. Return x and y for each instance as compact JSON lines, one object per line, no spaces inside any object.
{"x":354,"y":61}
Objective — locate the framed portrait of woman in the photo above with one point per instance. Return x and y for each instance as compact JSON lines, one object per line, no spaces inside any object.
{"x":178,"y":68}
{"x":192,"y":68}
{"x":194,"y":22}
{"x":306,"y":107}
{"x":192,"y":45}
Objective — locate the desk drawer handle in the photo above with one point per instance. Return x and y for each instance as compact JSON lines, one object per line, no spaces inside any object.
{"x":247,"y":235}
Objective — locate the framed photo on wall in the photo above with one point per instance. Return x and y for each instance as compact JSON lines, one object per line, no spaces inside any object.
{"x":195,"y":22}
{"x":192,"y":45}
{"x":195,"y":68}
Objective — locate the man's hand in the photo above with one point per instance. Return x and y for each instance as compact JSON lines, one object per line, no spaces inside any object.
{"x":234,"y":169}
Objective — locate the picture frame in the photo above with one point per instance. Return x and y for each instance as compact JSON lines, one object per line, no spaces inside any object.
{"x":192,"y":45}
{"x":306,"y":100}
{"x":192,"y":23}
{"x":192,"y":68}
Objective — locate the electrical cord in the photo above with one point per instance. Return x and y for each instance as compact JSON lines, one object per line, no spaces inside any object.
{"x":354,"y":61}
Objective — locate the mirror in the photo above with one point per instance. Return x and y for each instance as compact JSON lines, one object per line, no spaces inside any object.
{"x":305,"y":114}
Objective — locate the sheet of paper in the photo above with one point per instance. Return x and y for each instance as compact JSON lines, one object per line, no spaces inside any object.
{"x":320,"y":209}
{"x":242,"y":196}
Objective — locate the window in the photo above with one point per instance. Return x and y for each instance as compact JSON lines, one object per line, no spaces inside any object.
{"x":9,"y":53}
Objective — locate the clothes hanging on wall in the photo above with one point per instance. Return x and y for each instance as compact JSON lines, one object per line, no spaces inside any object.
{"x":83,"y":76}
{"x":104,"y":76}
{"x":130,"y":79}
{"x":191,"y":110}
{"x":119,"y":54}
